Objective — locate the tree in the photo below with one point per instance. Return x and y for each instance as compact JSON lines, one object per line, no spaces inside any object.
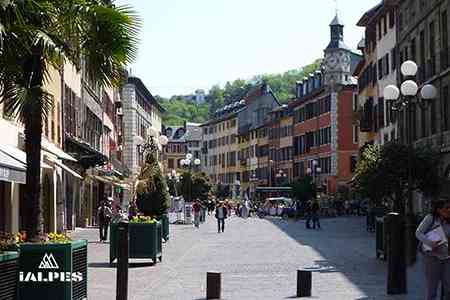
{"x":152,"y":195}
{"x":194,"y":186}
{"x":304,"y":189}
{"x":38,"y":35}
{"x":382,"y":173}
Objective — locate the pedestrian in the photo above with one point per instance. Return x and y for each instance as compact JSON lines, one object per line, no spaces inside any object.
{"x":308,"y":214}
{"x":315,"y":211}
{"x":196,"y":207}
{"x":433,"y":234}
{"x":104,"y":217}
{"x":347,"y":207}
{"x":221,"y":215}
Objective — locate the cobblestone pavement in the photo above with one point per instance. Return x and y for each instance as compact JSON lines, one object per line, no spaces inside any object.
{"x":258,"y":259}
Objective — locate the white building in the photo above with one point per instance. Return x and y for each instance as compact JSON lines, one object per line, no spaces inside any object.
{"x":142,"y":117}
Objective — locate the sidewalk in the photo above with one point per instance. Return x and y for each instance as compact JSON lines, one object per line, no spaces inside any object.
{"x":258,"y":259}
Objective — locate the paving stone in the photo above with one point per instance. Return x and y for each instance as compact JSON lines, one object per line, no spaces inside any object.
{"x":258,"y":259}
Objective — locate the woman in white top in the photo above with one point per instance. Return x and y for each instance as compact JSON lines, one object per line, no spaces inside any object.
{"x":436,"y":251}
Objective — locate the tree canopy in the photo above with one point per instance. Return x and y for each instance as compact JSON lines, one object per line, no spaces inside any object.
{"x":382,"y":173}
{"x":283,"y":85}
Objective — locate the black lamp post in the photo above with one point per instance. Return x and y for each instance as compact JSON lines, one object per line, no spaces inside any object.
{"x":314,"y":171}
{"x":398,"y":254}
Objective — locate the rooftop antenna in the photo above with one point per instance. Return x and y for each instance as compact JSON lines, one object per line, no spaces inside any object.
{"x":337,"y":7}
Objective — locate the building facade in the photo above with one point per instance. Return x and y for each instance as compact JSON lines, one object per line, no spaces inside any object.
{"x":323,"y":144}
{"x":423,"y":36}
{"x":142,"y":119}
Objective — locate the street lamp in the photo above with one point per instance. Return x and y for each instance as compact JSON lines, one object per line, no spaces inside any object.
{"x":404,"y":99}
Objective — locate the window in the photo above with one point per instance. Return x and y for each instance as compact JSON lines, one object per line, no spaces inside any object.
{"x":432,"y":50}
{"x":393,"y":59}
{"x":444,"y":40}
{"x":385,"y":25}
{"x":380,"y":69}
{"x":355,"y":134}
{"x":170,"y":163}
{"x":386,"y":64}
{"x":391,"y":18}
{"x":423,"y":126}
{"x":355,"y":102}
{"x":445,"y":108}
{"x":353,"y":163}
{"x":413,"y":50}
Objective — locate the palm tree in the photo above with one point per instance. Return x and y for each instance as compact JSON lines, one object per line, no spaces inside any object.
{"x":36,"y":35}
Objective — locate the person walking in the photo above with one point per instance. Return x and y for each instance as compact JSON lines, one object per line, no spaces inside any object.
{"x":308,"y":214}
{"x":104,"y":213}
{"x":221,"y":215}
{"x":433,"y":234}
{"x":315,"y":211}
{"x":196,"y":207}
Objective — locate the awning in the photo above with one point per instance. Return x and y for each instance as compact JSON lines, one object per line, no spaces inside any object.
{"x":19,"y":155}
{"x":49,"y":147}
{"x":11,"y":170}
{"x":65,"y":168}
{"x":109,"y":180}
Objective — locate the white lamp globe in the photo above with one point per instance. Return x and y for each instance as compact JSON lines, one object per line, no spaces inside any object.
{"x":409,"y":88}
{"x":187,"y":162}
{"x":197,"y":161}
{"x":314,"y":162}
{"x":391,"y":92}
{"x":409,"y":68}
{"x":183,"y":162}
{"x":319,"y":169}
{"x":428,"y":92}
{"x":189,"y":156}
{"x":163,"y":140}
{"x":174,"y":172}
{"x":308,"y":170}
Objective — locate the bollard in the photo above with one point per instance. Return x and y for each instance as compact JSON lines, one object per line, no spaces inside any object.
{"x":122,"y":261}
{"x":396,"y":281}
{"x":213,"y":285}
{"x":304,"y":283}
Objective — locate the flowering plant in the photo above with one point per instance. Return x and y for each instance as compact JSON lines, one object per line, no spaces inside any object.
{"x":143,"y":219}
{"x":58,"y":238}
{"x":8,"y":240}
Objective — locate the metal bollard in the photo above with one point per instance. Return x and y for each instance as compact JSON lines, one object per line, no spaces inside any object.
{"x":122,"y":261}
{"x":304,"y":283}
{"x":395,"y":230}
{"x":213,"y":285}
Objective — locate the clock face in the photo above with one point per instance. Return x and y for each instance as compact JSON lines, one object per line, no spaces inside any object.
{"x":332,"y":62}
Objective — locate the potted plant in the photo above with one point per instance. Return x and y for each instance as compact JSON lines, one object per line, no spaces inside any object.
{"x":9,"y":265}
{"x":54,"y":268}
{"x":145,"y":239}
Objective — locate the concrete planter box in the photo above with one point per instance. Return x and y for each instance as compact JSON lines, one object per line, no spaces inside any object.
{"x":9,"y":272}
{"x":145,"y":241}
{"x":53,"y":271}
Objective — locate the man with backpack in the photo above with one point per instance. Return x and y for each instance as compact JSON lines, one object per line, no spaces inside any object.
{"x":104,"y":213}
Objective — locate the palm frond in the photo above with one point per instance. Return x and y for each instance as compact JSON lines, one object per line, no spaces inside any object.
{"x":110,"y":42}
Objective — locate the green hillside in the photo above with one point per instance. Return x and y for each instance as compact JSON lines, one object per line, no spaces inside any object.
{"x":283,"y":85}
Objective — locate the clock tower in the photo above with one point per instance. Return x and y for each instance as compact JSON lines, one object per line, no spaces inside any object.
{"x":337,"y":59}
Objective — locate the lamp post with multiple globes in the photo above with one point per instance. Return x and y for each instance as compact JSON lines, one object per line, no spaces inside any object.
{"x":400,"y":224}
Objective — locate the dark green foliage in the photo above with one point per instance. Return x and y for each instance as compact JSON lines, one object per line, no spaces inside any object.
{"x":304,"y":189}
{"x":382,"y":173}
{"x":283,"y":86}
{"x":194,"y":186}
{"x":152,"y":198}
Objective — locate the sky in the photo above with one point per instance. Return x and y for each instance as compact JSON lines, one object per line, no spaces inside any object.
{"x":193,"y":44}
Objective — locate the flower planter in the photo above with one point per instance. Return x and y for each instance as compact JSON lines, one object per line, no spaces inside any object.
{"x":53,"y":271}
{"x":165,"y":226}
{"x":145,"y":241}
{"x":9,"y":270}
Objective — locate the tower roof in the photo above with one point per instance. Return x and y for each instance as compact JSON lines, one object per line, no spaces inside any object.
{"x":336,"y":21}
